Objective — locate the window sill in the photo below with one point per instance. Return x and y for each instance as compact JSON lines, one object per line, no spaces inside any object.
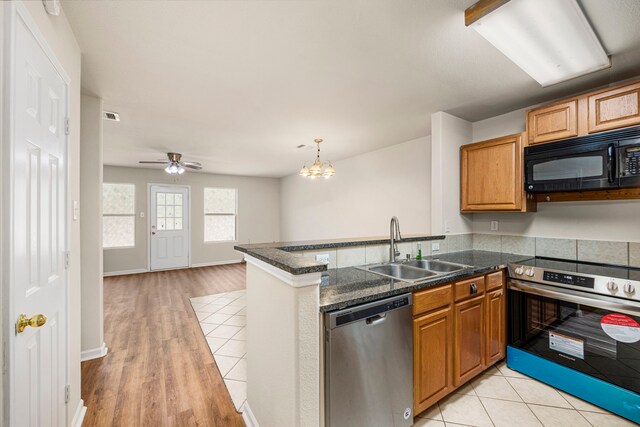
{"x":117,"y":247}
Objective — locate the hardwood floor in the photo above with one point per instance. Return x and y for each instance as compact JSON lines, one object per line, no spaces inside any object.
{"x":159,"y":370}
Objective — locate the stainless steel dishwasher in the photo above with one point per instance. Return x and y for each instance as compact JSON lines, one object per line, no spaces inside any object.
{"x":369,"y":365}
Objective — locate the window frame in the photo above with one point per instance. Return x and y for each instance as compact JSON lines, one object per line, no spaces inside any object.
{"x":134,"y":215}
{"x":205,"y":215}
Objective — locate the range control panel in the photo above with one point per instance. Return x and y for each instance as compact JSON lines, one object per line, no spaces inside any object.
{"x":611,"y":286}
{"x":569,"y":279}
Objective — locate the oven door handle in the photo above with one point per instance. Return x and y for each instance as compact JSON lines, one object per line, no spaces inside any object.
{"x":611,"y":164}
{"x":593,"y":300}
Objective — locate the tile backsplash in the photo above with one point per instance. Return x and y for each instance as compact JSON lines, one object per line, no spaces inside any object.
{"x":620,"y":253}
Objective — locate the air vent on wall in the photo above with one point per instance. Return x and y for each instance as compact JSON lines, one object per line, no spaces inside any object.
{"x":110,"y":115}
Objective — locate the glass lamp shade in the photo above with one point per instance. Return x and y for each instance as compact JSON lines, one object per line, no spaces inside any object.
{"x":316,"y":169}
{"x":304,"y":171}
{"x":329,"y":172}
{"x":174,"y":168}
{"x":180,"y":170}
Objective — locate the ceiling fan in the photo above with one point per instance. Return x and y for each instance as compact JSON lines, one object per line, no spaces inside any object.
{"x":174,"y":164}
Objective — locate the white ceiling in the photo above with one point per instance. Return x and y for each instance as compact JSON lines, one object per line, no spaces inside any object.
{"x":237,"y":85}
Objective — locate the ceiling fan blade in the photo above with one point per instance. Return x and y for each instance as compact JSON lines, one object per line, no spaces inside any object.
{"x":192,"y":165}
{"x":164,"y":162}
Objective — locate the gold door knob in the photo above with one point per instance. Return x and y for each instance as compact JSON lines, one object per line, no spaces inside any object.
{"x":33,"y":321}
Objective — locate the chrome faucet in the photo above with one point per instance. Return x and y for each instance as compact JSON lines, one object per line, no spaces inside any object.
{"x":394,"y":235}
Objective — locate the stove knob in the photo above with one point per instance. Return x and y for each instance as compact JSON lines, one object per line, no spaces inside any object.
{"x":529,"y":272}
{"x":519,"y":271}
{"x":629,"y":289}
{"x":612,"y":286}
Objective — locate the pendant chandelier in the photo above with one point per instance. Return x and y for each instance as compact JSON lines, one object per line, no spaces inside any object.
{"x":318,"y":168}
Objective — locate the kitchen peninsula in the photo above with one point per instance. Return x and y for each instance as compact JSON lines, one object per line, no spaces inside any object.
{"x":288,"y":292}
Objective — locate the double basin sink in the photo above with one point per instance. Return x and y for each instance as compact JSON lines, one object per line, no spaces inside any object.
{"x":414,"y":270}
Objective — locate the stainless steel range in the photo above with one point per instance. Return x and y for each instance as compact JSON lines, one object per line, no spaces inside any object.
{"x":576,"y":326}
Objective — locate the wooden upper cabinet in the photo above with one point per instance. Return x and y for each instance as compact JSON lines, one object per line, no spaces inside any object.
{"x":614,"y":108}
{"x":553,"y":122}
{"x":491,"y":176}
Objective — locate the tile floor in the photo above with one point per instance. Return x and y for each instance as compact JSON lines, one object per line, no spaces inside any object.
{"x":223,"y":322}
{"x":502,"y":397}
{"x":499,"y":397}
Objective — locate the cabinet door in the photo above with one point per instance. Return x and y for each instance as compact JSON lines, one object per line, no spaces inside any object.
{"x":614,"y":108}
{"x":553,"y":122}
{"x":469,"y":341}
{"x":432,"y":358}
{"x":491,"y":175}
{"x":496,"y":327}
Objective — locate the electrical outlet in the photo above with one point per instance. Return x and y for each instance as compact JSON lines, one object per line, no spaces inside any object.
{"x":435,"y":246}
{"x":323,"y":258}
{"x":141,"y":214}
{"x":494,"y":225}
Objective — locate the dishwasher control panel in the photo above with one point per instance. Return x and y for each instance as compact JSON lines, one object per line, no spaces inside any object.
{"x":368,"y":310}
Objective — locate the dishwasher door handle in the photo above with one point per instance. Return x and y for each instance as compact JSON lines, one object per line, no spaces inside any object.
{"x":377,"y":319}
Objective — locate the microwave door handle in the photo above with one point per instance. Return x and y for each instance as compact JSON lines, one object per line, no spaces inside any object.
{"x":611,"y":163}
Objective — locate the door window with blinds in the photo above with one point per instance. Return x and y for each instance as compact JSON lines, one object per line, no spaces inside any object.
{"x":118,"y":215}
{"x":220,"y":214}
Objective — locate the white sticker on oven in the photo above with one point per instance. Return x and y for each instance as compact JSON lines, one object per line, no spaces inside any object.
{"x":621,"y":328}
{"x":567,"y":345}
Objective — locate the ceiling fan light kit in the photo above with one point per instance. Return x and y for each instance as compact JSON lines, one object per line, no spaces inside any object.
{"x":174,"y":164}
{"x":318,"y":168}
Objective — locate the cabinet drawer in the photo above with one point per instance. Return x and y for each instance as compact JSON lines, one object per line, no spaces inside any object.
{"x":431,"y":299}
{"x":464,"y":289}
{"x":553,"y":122}
{"x":494,"y":280}
{"x":614,"y":108}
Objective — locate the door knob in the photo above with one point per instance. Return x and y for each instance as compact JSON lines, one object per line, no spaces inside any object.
{"x":153,"y":233}
{"x":34,"y":321}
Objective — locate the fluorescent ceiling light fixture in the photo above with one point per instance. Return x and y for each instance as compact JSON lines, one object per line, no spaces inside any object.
{"x":551,"y":40}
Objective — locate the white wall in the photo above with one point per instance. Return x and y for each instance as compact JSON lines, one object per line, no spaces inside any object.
{"x":602,"y":220}
{"x":91,"y":222}
{"x":258,"y":214}
{"x":2,"y":192}
{"x":448,"y":134}
{"x":60,"y":38}
{"x":361,"y":198}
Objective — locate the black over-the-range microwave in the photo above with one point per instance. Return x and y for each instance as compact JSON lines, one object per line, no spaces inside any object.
{"x":606,"y":160}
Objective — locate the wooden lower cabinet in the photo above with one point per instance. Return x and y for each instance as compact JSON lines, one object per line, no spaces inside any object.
{"x":456,"y":335}
{"x":495,"y":348}
{"x":432,"y":351}
{"x":469,"y":340}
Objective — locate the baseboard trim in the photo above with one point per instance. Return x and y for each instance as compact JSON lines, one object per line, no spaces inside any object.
{"x":124,"y":272}
{"x":214,"y":263}
{"x":248,"y":417}
{"x":94,"y":353}
{"x":78,"y":417}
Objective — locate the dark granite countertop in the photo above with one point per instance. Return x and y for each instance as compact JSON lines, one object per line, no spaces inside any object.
{"x":283,"y":256}
{"x":345,"y":287}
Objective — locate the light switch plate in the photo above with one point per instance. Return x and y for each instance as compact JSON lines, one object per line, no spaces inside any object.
{"x":76,"y":210}
{"x":494,"y":225}
{"x":435,"y":246}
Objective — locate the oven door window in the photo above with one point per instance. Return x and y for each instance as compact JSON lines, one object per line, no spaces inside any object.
{"x":569,"y":168}
{"x":591,"y":340}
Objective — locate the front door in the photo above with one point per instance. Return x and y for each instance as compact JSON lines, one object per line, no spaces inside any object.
{"x":37,"y":205}
{"x":169,"y":223}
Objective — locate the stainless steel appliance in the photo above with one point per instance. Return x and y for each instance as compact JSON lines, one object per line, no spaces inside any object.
{"x":369,"y":365}
{"x":576,"y":326}
{"x":599,"y":161}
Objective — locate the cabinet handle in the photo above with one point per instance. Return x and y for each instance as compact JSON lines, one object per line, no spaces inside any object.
{"x":473,"y":289}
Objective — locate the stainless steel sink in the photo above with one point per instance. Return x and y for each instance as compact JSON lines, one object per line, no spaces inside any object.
{"x":401,"y":272}
{"x":415,"y":270}
{"x":434,"y":265}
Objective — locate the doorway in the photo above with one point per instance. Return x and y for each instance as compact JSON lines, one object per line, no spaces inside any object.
{"x":169,"y":227}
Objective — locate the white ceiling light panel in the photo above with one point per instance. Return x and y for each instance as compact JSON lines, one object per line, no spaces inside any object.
{"x":551,"y":40}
